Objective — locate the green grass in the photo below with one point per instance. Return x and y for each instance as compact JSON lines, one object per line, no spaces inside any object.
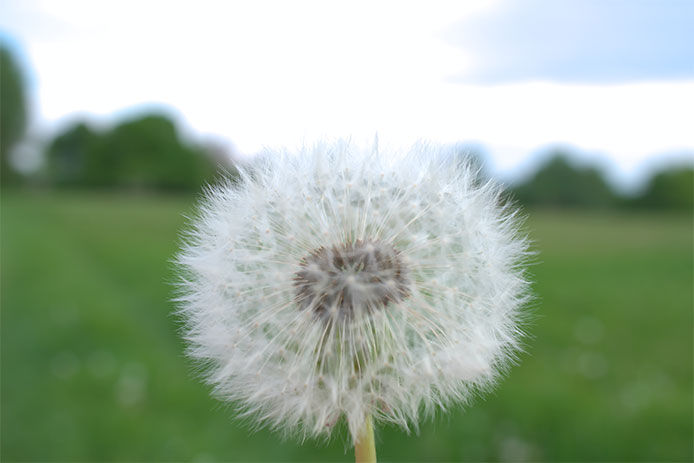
{"x":93,"y":367}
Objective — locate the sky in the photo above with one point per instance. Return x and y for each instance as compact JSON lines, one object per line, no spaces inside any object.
{"x":613,"y":80}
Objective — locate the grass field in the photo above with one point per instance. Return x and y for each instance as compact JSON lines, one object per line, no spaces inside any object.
{"x":93,"y":368}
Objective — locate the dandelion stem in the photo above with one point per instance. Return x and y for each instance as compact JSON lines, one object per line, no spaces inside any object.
{"x":365,"y":447}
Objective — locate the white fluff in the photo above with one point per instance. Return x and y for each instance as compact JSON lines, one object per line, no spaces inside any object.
{"x":299,"y":369}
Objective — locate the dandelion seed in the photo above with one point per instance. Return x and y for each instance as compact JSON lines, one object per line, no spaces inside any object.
{"x":380,"y":286}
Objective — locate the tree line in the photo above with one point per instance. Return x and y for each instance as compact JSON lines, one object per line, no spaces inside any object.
{"x":148,"y":152}
{"x":561,"y":183}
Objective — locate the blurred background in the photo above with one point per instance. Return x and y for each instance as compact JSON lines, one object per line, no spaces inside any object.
{"x":115,"y":114}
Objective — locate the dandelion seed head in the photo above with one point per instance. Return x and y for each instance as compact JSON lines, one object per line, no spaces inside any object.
{"x":345,"y":282}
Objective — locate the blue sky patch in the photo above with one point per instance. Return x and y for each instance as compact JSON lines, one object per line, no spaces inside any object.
{"x":578,"y":41}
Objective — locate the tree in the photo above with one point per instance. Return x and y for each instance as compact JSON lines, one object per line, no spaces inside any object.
{"x":144,"y":152}
{"x":672,"y":188}
{"x":147,"y":151}
{"x":13,"y":112}
{"x":559,"y":183}
{"x":69,"y":156}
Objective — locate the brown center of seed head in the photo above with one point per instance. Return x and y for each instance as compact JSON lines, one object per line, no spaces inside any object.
{"x":348,"y":279}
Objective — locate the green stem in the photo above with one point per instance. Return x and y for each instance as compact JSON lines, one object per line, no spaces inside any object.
{"x":365,"y":447}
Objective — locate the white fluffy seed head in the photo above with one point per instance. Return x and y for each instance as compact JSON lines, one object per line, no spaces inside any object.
{"x":341,"y":281}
